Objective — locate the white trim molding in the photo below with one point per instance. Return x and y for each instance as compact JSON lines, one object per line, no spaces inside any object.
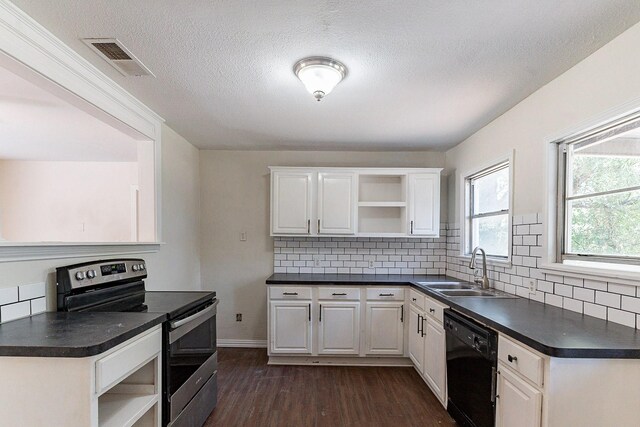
{"x":242,"y":343}
{"x":27,"y":46}
{"x":38,"y":251}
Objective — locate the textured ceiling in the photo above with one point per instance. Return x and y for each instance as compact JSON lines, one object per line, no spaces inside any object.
{"x":423,"y":74}
{"x":38,"y":125}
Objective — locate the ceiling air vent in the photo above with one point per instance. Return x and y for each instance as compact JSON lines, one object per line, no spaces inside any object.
{"x":120,"y":58}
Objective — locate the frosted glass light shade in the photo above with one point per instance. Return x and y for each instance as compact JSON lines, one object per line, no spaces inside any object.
{"x":319,"y":75}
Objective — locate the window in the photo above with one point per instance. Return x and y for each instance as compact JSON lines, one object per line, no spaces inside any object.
{"x":599,"y":195}
{"x":487,"y":206}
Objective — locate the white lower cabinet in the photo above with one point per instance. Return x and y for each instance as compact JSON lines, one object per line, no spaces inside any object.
{"x":120,"y":387}
{"x":290,"y":327}
{"x":385,"y":328}
{"x":435,"y":360}
{"x":518,"y":404}
{"x":427,"y":342}
{"x":339,"y":327}
{"x":416,"y":337}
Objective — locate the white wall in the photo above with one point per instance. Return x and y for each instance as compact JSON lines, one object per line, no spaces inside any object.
{"x":235,"y":198}
{"x":603,"y":83}
{"x":176,"y":265}
{"x":66,"y":201}
{"x":608,"y":78}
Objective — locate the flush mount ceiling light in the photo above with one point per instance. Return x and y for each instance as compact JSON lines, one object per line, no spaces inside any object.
{"x":319,"y":74}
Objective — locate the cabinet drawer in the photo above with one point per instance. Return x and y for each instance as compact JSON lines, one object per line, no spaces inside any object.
{"x":521,"y":360}
{"x":120,"y":364}
{"x":416,"y":298}
{"x":290,"y":292}
{"x":385,"y":294}
{"x":339,"y":293}
{"x":434,"y":309}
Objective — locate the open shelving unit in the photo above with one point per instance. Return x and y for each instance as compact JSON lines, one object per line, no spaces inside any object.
{"x":133,"y":402}
{"x":382,"y":205}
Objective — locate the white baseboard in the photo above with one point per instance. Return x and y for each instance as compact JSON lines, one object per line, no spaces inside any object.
{"x":242,"y":343}
{"x":340,"y":361}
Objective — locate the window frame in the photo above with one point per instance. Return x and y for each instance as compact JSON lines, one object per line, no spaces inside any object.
{"x":607,"y":130}
{"x":466,"y":234}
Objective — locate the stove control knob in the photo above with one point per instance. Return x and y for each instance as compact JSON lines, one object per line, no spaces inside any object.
{"x":135,"y":267}
{"x":143,"y":267}
{"x":80,"y":275}
{"x":91,"y":274}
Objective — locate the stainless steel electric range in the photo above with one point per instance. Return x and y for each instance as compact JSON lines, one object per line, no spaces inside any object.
{"x":189,"y":379}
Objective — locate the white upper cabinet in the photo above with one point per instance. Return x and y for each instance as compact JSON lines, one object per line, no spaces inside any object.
{"x":424,"y":204}
{"x":366,"y":202}
{"x":291,"y":199}
{"x":337,"y":203}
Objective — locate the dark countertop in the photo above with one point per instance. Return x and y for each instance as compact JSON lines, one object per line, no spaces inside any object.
{"x":61,"y":334}
{"x":550,"y":330}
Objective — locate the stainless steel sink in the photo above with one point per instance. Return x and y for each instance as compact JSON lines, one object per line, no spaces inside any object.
{"x":450,"y":286}
{"x":446,"y":285}
{"x":486,"y":293}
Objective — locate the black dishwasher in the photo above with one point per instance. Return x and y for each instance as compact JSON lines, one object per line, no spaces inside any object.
{"x":471,"y":371}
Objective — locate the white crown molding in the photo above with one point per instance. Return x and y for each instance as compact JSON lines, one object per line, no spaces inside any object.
{"x":33,"y":45}
{"x":242,"y":343}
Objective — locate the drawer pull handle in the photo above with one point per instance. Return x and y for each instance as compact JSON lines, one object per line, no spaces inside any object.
{"x":432,"y":310}
{"x":386,"y":295}
{"x":512,"y":359}
{"x":289,"y":293}
{"x":413,"y":299}
{"x":341,"y":294}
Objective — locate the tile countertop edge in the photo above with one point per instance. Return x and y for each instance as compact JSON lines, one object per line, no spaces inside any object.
{"x":412,"y":281}
{"x":79,"y":351}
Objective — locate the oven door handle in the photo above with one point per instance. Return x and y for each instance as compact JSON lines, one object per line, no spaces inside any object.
{"x":177,"y":323}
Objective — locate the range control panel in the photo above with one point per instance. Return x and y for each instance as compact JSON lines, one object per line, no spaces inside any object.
{"x":98,"y":273}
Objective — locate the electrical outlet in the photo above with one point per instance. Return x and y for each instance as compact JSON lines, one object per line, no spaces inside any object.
{"x":371,"y":262}
{"x":238,"y":317}
{"x":316,"y":260}
{"x":243,"y":236}
{"x":533,"y":286}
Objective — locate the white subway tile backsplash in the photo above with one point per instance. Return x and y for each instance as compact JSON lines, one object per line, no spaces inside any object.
{"x":8,"y":295}
{"x":622,"y":289}
{"x":15,"y":311}
{"x":595,"y":284}
{"x":623,"y":317}
{"x":610,"y":300}
{"x":584,"y":294}
{"x":599,"y":311}
{"x":38,"y":306}
{"x":631,"y":304}
{"x":22,"y":301}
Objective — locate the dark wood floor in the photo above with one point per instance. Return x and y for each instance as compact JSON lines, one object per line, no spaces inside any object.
{"x":251,"y":393}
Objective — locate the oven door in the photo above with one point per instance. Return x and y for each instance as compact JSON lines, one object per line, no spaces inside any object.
{"x":191,"y":358}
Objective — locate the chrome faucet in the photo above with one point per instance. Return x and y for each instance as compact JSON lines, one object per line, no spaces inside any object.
{"x":484,"y":281}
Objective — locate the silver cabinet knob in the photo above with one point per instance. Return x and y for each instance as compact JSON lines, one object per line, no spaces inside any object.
{"x":91,"y":274}
{"x":80,"y":275}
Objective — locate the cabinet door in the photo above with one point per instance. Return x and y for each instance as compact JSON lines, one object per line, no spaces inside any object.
{"x":384,"y":330}
{"x":424,"y":204}
{"x":416,"y":338}
{"x":290,"y":327}
{"x":337,"y":203}
{"x":339,"y":327}
{"x":291,"y":202}
{"x":518,"y":403}
{"x":435,"y":360}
